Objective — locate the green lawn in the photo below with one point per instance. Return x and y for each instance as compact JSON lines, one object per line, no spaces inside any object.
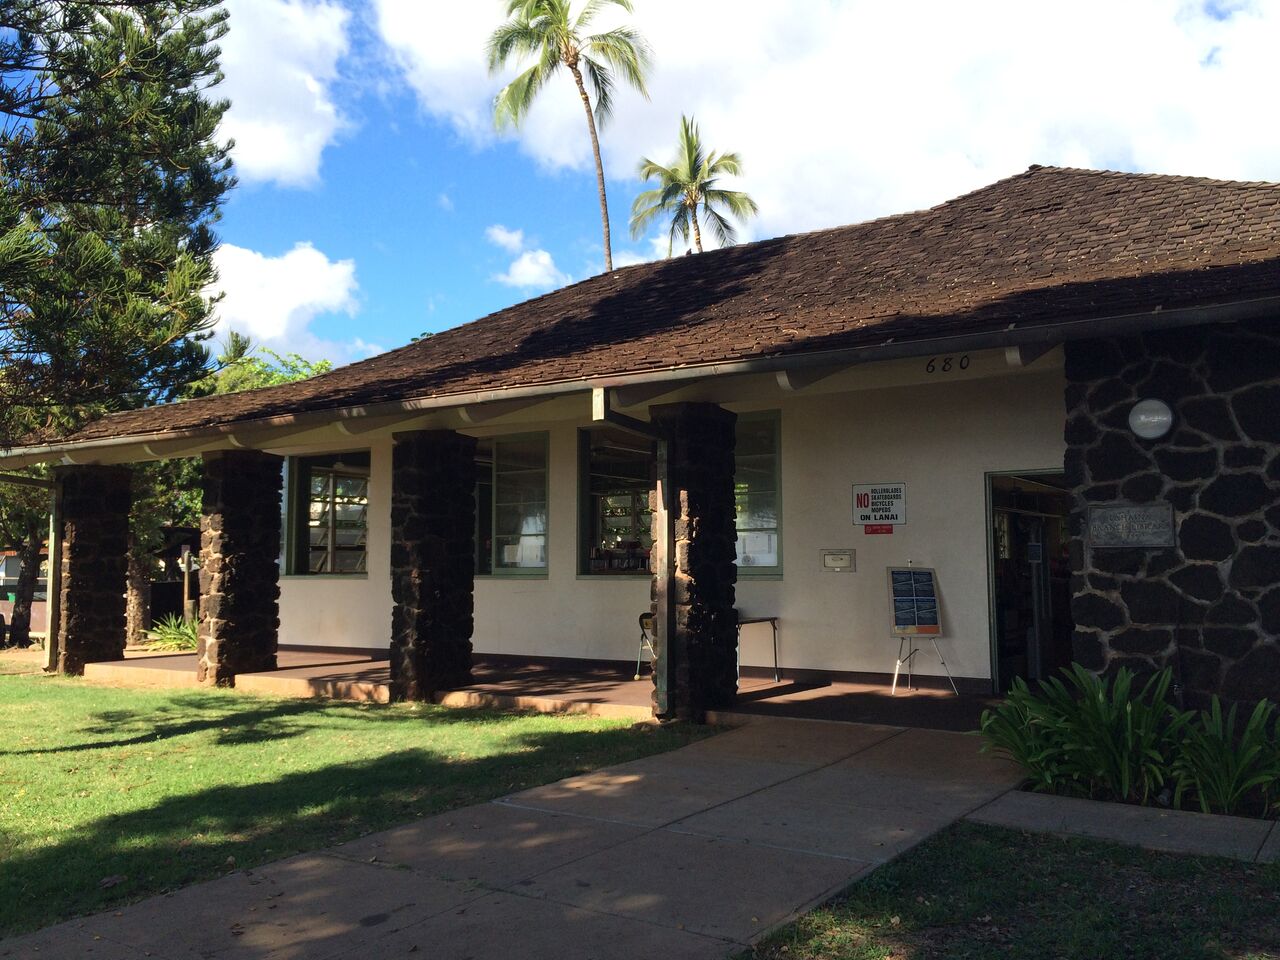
{"x":977,"y":892}
{"x":108,"y":794}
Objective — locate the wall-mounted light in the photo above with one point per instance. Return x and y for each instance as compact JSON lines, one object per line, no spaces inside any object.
{"x":1150,"y":419}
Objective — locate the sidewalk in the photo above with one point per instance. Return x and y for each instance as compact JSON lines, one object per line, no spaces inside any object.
{"x":691,"y":854}
{"x":1171,"y":831}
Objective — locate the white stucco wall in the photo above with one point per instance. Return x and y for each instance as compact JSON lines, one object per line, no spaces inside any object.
{"x":348,"y":611}
{"x":939,"y":438}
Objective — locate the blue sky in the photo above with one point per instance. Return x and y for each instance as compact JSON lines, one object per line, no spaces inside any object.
{"x":376,"y":202}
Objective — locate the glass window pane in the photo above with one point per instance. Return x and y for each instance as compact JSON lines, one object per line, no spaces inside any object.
{"x":334,"y":527}
{"x":756,"y":436}
{"x":758,"y":549}
{"x":349,"y":561}
{"x":528,"y":486}
{"x":527,"y":551}
{"x":756,"y":510}
{"x":756,"y":497}
{"x":521,"y":454}
{"x":516,"y":498}
{"x":517,"y":520}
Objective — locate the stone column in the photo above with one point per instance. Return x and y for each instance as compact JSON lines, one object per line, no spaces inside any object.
{"x":95,"y":547}
{"x":1208,"y":606}
{"x":698,"y":662}
{"x":239,"y":565}
{"x":433,"y":516}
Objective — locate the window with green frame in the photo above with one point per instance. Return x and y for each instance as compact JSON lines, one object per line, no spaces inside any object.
{"x":757,"y":485}
{"x":329,"y":527}
{"x":511,"y":506}
{"x":616,"y":473}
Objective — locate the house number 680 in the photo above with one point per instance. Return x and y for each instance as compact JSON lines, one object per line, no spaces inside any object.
{"x":946,"y":364}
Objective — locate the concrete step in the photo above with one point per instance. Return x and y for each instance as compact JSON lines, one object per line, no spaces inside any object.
{"x":287,"y":683}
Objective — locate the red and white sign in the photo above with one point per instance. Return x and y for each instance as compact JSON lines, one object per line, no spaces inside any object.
{"x":879,"y":504}
{"x":878,"y":528}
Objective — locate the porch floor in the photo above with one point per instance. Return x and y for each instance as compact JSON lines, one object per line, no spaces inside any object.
{"x":597,"y":689}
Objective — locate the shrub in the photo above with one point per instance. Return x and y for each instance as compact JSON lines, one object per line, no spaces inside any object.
{"x":1020,"y":729}
{"x":1093,"y":737}
{"x":1225,"y":771}
{"x":173,"y":633}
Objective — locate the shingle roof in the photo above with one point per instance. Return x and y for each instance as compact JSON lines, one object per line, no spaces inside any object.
{"x":1047,"y":245}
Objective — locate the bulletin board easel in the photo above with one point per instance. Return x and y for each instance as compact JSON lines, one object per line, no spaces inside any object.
{"x":915,"y":611}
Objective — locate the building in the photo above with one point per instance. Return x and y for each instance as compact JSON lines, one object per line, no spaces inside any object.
{"x":952,"y":389}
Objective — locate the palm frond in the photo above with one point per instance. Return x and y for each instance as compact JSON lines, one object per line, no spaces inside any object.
{"x":593,"y":7}
{"x":514,"y":100}
{"x":602,"y":83}
{"x":679,"y":227}
{"x":517,"y":39}
{"x":624,"y":49}
{"x":738,"y":203}
{"x":646,"y":208}
{"x":724,"y":164}
{"x":725,"y":232}
{"x":650,"y":169}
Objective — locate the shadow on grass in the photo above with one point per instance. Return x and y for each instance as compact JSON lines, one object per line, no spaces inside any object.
{"x":190,"y":837}
{"x":238,"y":720}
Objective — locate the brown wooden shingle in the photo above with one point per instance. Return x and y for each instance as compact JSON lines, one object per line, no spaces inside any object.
{"x":1047,"y":245}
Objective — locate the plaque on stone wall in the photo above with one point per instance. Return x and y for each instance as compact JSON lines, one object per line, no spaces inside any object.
{"x":1131,"y":525}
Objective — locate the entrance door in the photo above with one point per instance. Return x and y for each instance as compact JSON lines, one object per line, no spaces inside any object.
{"x":1031,"y":575}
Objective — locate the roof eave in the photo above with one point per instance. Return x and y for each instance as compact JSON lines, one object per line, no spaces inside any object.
{"x":251,"y":432}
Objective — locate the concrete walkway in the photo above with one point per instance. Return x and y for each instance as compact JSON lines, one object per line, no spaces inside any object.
{"x":1170,"y":831}
{"x":690,"y":854}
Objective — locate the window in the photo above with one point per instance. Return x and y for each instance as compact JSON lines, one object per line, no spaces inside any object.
{"x":617,"y":473}
{"x":511,"y":506}
{"x":330,"y":528}
{"x":758,"y":494}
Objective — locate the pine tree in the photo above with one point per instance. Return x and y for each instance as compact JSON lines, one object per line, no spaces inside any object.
{"x":110,"y":181}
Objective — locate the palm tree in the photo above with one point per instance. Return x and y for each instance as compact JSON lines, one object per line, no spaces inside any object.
{"x":546,"y":30}
{"x":688,"y":184}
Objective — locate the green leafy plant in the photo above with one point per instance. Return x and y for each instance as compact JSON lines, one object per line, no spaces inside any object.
{"x":173,"y":633}
{"x":1090,"y":736}
{"x":1116,"y":745}
{"x":1224,"y":771}
{"x":1018,"y":729}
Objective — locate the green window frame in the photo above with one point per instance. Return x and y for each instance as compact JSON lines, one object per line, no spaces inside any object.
{"x":757,"y":487}
{"x":329,"y":515}
{"x":615,"y":474}
{"x":512,"y":505}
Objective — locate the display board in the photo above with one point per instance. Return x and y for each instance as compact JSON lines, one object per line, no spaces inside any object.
{"x":913,"y":602}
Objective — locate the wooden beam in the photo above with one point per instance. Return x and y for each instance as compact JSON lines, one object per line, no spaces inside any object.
{"x":1026,"y":354}
{"x":360,"y":426}
{"x":793,"y":380}
{"x":641,"y":393}
{"x":602,"y":412}
{"x":24,"y":481}
{"x":477,"y":413}
{"x":168,"y":449}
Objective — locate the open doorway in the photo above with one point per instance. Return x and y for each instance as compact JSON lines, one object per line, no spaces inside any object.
{"x":1030,"y":576}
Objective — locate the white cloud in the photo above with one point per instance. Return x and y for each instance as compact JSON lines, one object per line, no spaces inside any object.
{"x":510,"y":240}
{"x":445,"y":202}
{"x":533,"y":270}
{"x":274,"y":300}
{"x":281,"y":58}
{"x":850,"y":110}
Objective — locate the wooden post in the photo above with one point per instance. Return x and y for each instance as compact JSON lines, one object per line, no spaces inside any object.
{"x":53,"y":580}
{"x":663,"y":563}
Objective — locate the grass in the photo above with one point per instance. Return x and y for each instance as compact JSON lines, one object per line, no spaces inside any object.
{"x":108,"y":795}
{"x":977,"y":892}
